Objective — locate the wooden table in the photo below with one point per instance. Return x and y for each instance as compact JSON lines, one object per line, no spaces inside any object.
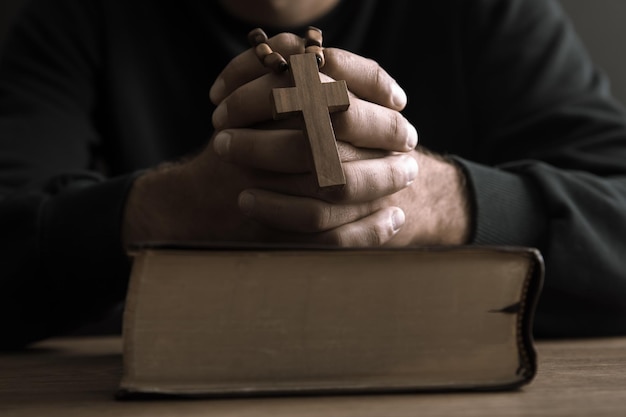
{"x":79,"y":377}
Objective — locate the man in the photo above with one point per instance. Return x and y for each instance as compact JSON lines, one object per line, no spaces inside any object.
{"x":124,"y":121}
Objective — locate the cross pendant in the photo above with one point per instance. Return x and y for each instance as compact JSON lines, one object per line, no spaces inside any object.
{"x":315,"y":101}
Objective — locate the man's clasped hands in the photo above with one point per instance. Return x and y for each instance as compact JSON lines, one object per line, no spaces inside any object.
{"x":253,"y":180}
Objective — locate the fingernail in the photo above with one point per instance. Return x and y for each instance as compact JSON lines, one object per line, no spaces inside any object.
{"x":246,"y":202}
{"x":397,"y":220}
{"x":216,"y":93}
{"x":220,"y":116}
{"x":411,"y":142}
{"x":411,"y":172}
{"x":221,"y":144}
{"x":398,"y":96}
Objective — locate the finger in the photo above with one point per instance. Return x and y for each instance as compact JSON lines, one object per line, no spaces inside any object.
{"x":272,"y":150}
{"x":364,"y":124}
{"x":371,"y":231}
{"x":366,"y":181}
{"x":281,"y":150}
{"x":246,"y":66}
{"x":298,"y":214}
{"x":369,"y":125}
{"x":371,"y":179}
{"x":249,"y":104}
{"x":365,"y":78}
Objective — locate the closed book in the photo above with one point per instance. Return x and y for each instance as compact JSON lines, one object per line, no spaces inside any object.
{"x":245,"y":321}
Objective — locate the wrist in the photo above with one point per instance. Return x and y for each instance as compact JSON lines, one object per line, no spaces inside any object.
{"x":441,"y":204}
{"x":151,"y":206}
{"x":461,"y":203}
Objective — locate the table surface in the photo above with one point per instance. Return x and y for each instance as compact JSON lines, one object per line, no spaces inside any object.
{"x":79,"y":377}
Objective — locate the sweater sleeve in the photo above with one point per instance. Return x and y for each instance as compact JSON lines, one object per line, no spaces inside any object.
{"x":61,"y":259}
{"x":552,"y":170}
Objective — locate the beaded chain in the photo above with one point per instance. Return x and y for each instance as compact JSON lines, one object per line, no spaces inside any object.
{"x":274,"y":60}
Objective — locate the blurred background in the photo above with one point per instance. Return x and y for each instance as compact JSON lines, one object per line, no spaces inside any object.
{"x":600,"y":23}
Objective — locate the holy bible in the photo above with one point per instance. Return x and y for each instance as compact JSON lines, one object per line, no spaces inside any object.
{"x":237,"y":321}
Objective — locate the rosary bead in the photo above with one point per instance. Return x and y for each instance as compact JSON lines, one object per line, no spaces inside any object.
{"x":275,"y":62}
{"x":257,"y":36}
{"x":313,"y":36}
{"x":262,"y":50}
{"x":319,"y":54}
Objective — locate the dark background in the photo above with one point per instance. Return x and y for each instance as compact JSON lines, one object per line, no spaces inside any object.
{"x":600,"y":23}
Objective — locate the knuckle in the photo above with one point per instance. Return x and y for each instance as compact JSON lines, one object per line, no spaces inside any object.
{"x":373,"y":236}
{"x":397,"y":126}
{"x":361,"y":236}
{"x":396,"y":174}
{"x":384,"y":232}
{"x":377,"y":76}
{"x":380,"y":75}
{"x":401,"y":171}
{"x":399,"y":131}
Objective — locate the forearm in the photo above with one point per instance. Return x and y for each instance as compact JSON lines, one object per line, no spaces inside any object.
{"x":577,"y":220}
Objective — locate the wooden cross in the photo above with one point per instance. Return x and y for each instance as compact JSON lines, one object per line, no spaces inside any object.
{"x":314,"y":100}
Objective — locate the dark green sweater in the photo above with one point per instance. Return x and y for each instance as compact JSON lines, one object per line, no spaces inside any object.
{"x":93,"y":91}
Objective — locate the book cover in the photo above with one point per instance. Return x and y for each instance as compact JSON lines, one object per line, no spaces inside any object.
{"x":235,"y":320}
